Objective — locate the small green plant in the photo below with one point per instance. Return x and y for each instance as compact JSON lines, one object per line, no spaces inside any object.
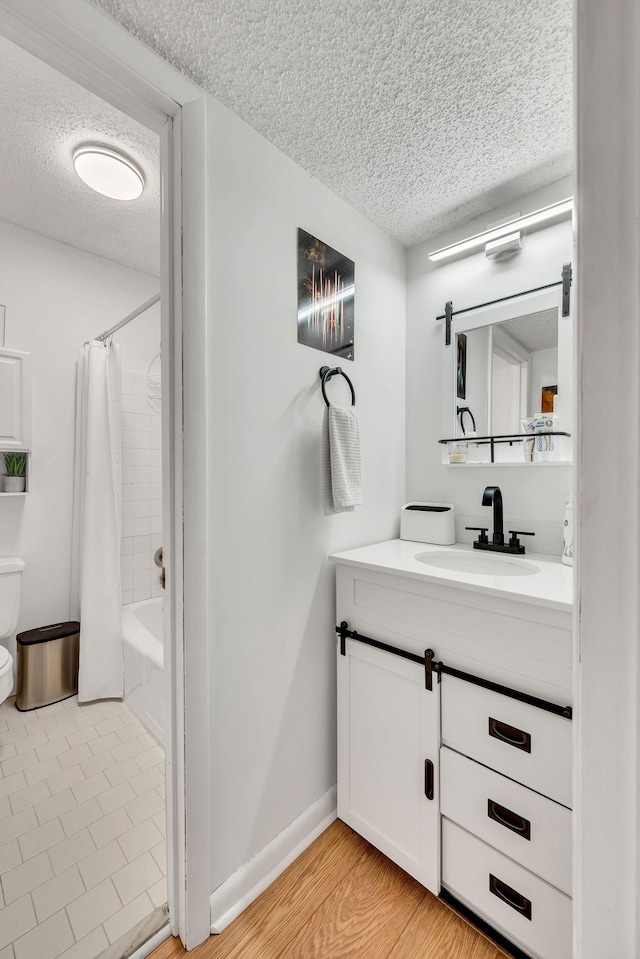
{"x":15,"y":464}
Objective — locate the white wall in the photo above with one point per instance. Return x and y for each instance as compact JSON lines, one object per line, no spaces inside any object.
{"x":272,"y":589}
{"x":139,"y":341}
{"x":141,"y":426}
{"x":56,"y":298}
{"x":534,"y":497}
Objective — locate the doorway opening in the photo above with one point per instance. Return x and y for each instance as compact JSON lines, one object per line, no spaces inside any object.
{"x":85,"y":750}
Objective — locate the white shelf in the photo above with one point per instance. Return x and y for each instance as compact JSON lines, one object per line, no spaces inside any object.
{"x":2,"y":493}
{"x":494,"y":465}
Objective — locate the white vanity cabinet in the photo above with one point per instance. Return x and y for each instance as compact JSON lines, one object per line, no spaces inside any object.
{"x":496,"y":835}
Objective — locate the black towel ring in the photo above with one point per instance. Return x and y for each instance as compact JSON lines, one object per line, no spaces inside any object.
{"x":460,"y":411}
{"x":325,"y":375}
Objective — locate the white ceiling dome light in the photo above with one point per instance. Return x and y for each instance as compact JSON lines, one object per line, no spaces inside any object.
{"x":108,"y":171}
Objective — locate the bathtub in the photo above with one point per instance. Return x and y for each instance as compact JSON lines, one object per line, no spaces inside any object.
{"x":144,"y":690}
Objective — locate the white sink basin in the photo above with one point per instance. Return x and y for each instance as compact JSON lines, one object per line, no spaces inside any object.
{"x":479,"y":563}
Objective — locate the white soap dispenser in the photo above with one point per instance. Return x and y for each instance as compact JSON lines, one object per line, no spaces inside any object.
{"x":567,"y":535}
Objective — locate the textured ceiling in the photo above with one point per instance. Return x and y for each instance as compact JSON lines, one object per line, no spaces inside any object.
{"x":535,"y":331}
{"x":43,"y":116}
{"x":420,"y":113}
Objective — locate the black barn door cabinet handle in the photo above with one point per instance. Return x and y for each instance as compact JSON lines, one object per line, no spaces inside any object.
{"x":510,"y":896}
{"x":428,"y":779}
{"x":510,"y":735}
{"x":510,"y":820}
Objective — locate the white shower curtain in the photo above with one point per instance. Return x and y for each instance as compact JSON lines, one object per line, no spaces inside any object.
{"x":95,"y":574}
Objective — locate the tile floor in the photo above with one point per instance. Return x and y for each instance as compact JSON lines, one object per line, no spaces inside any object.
{"x":82,"y":828}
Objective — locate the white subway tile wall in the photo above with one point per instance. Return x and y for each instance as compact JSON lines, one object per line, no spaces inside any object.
{"x":141,"y":491}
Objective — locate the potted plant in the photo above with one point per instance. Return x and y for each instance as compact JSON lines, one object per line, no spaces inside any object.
{"x":16,"y":471}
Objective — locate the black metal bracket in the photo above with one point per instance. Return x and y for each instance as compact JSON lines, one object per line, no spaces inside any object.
{"x":448,"y":316}
{"x":567,"y":275}
{"x":428,"y":669}
{"x":343,"y":631}
{"x":430,"y":666}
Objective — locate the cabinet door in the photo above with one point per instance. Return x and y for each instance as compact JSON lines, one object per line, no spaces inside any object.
{"x":388,"y":729}
{"x":15,"y":400}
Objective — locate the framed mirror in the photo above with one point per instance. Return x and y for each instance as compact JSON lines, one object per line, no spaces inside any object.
{"x":508,"y":373}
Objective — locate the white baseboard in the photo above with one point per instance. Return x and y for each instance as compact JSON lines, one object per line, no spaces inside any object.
{"x":151,"y":944}
{"x":245,"y":885}
{"x":141,"y":941}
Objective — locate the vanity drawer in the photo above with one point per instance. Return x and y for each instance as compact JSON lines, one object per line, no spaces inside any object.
{"x":524,"y":825}
{"x":524,"y":742}
{"x":530,"y":912}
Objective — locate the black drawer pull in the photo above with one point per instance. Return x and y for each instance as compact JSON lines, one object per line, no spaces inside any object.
{"x":510,"y":735}
{"x":428,"y":779}
{"x":510,"y":896}
{"x":510,"y":820}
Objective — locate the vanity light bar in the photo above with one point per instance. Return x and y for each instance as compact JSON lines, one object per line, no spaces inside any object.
{"x":557,"y":211}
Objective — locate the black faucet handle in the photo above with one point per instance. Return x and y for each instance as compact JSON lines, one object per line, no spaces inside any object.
{"x":514,"y":533}
{"x":482,"y":538}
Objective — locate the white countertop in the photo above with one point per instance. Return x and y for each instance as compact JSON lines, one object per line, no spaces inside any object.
{"x":551,"y":585}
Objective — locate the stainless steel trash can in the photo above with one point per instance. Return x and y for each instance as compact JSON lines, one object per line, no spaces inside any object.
{"x":47,"y":665}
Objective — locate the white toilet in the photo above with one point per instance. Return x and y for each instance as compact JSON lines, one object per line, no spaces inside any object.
{"x":11,"y":568}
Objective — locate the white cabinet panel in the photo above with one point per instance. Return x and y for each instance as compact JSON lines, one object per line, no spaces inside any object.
{"x":527,"y":910}
{"x":521,"y":823}
{"x":520,"y":645}
{"x":521,"y":741}
{"x":388,"y":727}
{"x":15,"y":400}
{"x":446,"y":614}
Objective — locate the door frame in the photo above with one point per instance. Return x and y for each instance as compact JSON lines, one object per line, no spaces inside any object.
{"x":85,"y":44}
{"x":606,"y":846}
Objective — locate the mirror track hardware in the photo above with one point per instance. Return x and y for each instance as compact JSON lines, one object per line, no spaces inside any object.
{"x":430,"y":666}
{"x":565,"y":283}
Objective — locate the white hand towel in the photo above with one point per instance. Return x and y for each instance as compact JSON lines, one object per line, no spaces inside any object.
{"x":342,"y":470}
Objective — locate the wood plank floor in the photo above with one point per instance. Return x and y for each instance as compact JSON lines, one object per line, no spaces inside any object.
{"x":342,"y":899}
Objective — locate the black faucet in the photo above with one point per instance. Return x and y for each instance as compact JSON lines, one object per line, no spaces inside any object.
{"x":492,"y":496}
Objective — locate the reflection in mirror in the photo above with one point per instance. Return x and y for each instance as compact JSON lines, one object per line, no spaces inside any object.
{"x":507,"y":372}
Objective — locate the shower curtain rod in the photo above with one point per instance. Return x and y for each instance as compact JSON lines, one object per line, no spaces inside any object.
{"x":141,"y":309}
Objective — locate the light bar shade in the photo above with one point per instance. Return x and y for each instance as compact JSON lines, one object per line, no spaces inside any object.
{"x":557,"y":211}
